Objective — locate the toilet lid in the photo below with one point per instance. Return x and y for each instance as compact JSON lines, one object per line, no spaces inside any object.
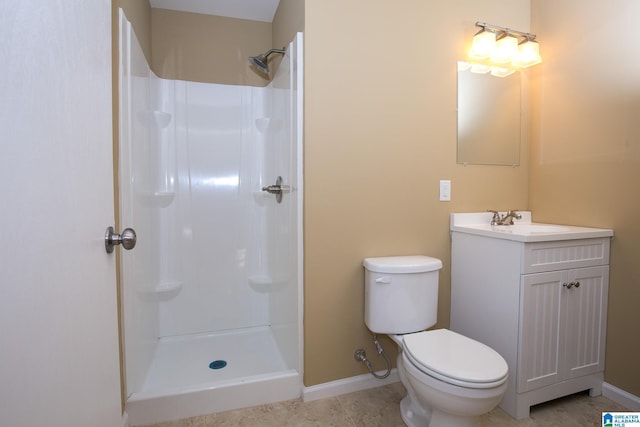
{"x":455,"y":359}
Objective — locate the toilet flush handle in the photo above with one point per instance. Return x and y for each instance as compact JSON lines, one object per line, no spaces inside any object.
{"x":384,"y":279}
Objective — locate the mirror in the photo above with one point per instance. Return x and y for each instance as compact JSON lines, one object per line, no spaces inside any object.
{"x":488,"y":118}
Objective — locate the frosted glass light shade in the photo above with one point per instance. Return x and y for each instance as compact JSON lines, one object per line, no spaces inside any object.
{"x":528,"y":55}
{"x":463,"y":65}
{"x":506,"y":50}
{"x":484,"y":43}
{"x":502,"y":71}
{"x":480,"y":68}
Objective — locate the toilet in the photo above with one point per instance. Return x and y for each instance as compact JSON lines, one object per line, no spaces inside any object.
{"x":451,"y":380}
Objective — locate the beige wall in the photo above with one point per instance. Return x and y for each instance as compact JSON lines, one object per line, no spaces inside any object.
{"x":205,"y":48}
{"x":138,"y":12}
{"x":585,"y":148}
{"x":380,"y":132}
{"x":288,"y":20}
{"x":215,"y":49}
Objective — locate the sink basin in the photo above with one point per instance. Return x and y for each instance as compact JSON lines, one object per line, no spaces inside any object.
{"x":523,"y":230}
{"x":532,"y":228}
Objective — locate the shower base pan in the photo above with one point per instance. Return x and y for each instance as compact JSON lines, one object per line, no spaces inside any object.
{"x":201,"y":374}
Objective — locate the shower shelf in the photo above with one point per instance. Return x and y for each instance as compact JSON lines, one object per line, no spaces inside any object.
{"x":162,"y":119}
{"x":268,"y":124}
{"x":159,"y":199}
{"x":260,"y":282}
{"x":168,"y":289}
{"x":164,"y":198}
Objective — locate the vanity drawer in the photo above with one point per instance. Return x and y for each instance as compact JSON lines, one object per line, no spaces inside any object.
{"x":539,"y":257}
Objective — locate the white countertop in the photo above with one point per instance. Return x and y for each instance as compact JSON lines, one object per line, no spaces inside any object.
{"x":523,"y":230}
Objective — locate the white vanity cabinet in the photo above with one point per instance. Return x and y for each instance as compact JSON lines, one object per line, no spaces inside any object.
{"x":541,"y":303}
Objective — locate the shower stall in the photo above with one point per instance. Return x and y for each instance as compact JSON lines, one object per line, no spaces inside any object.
{"x":211,"y":180}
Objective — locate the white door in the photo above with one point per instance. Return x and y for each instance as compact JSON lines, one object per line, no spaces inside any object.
{"x":58,"y":316}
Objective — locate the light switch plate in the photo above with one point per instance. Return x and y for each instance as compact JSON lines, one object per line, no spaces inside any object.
{"x":445,"y":190}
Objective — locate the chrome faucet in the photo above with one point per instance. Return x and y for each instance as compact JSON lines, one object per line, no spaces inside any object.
{"x":507,"y":219}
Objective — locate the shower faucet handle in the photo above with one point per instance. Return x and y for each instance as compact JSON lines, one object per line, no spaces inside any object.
{"x":278,"y":189}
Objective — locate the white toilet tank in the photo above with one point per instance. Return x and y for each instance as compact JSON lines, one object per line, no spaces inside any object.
{"x":401,"y":293}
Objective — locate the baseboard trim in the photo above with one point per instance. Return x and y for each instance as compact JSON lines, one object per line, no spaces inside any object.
{"x":347,"y":385}
{"x":620,"y":396}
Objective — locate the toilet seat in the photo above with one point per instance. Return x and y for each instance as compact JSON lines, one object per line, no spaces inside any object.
{"x":455,"y":359}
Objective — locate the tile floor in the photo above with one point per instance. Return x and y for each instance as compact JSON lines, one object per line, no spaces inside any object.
{"x":379,"y":407}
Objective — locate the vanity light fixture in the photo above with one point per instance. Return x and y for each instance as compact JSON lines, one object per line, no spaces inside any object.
{"x":506,"y":49}
{"x":501,"y":45}
{"x":528,"y":54}
{"x":484,"y":44}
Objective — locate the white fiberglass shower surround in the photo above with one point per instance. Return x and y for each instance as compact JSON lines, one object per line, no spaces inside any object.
{"x":212,"y":292}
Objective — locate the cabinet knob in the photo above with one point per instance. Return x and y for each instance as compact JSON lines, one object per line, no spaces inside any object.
{"x":571,"y":285}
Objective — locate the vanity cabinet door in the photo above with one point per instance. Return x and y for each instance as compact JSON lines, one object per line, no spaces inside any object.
{"x":562,"y":326}
{"x":586,"y":315}
{"x":540,"y":329}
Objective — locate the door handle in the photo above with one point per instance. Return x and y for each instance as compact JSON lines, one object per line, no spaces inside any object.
{"x":127,"y":239}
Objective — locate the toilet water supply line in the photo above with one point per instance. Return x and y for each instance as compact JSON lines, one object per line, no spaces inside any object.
{"x":361,"y":356}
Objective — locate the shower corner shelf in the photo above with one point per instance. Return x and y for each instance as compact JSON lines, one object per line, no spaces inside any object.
{"x":164,"y":198}
{"x":168,"y":289}
{"x":268,"y":124}
{"x":260,"y":282}
{"x":262,"y":124}
{"x":162,"y":119}
{"x":159,"y":199}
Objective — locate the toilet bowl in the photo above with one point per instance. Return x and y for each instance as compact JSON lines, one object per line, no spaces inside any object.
{"x":451,"y":380}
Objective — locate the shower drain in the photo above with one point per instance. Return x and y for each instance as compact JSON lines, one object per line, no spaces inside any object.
{"x":217,"y":364}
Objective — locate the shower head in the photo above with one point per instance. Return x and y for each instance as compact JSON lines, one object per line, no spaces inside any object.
{"x":260,"y":61}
